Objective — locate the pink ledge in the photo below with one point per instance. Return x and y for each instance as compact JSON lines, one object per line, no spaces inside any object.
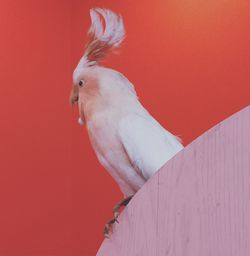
{"x":198,"y":204}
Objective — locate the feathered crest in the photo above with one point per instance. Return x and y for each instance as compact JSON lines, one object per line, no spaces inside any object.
{"x":105,"y":34}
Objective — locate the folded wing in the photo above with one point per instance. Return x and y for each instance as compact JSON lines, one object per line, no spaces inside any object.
{"x":148,"y":145}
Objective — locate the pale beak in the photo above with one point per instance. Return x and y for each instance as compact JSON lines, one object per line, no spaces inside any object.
{"x":73,"y":97}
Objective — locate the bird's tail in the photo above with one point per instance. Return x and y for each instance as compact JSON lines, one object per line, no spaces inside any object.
{"x":105,"y":34}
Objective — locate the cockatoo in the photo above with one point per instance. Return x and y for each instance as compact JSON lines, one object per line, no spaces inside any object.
{"x":129,"y":143}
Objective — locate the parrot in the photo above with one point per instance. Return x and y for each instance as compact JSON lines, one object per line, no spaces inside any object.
{"x":128,"y":142}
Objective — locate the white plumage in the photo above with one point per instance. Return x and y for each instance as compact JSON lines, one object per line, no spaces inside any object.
{"x":128,"y":141}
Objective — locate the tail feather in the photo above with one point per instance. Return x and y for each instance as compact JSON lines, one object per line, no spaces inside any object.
{"x":105,"y":34}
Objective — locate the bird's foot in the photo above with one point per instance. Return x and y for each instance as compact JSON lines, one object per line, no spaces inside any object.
{"x":109,"y":225}
{"x":117,"y":207}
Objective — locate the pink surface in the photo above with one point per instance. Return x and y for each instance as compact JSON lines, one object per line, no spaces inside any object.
{"x":198,"y":204}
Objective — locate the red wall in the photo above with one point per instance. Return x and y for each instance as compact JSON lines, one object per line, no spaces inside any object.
{"x":189,"y":62}
{"x":35,"y":166}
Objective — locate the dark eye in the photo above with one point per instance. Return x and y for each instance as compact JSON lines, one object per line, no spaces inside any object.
{"x":81,"y":82}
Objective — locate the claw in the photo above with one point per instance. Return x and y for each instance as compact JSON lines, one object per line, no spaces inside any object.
{"x":108,"y":227}
{"x":117,"y":208}
{"x":106,"y":231}
{"x":116,"y":214}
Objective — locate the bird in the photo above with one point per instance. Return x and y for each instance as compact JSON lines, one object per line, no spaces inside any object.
{"x":128,"y":141}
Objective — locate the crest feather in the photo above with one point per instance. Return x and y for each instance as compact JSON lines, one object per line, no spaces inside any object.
{"x":105,"y":34}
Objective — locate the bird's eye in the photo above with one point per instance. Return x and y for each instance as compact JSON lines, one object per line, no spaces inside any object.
{"x":81,"y":83}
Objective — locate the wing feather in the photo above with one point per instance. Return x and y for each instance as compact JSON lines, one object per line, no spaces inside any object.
{"x":147,"y":144}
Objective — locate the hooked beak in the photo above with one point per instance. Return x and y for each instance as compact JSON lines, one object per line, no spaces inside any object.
{"x":73,"y":97}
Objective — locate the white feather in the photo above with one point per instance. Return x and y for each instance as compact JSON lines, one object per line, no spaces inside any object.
{"x":112,"y":31}
{"x":96,"y":27}
{"x":147,"y":144}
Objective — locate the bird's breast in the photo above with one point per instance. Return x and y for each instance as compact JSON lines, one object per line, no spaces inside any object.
{"x":102,"y":130}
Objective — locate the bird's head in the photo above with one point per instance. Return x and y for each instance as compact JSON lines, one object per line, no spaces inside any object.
{"x":105,"y":35}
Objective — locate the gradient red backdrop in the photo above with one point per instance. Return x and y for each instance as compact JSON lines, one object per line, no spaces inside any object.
{"x":189,"y":61}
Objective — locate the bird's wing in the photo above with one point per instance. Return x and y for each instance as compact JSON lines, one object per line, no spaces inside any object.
{"x":147,"y":144}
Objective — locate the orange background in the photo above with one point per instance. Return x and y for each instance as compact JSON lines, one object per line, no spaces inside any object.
{"x":189,"y":61}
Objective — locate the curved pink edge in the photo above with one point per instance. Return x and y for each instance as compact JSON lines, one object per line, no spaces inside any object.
{"x":197,"y":204}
